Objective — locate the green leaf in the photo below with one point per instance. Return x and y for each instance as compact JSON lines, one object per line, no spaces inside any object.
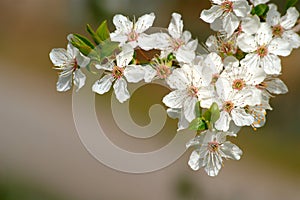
{"x":95,"y":36}
{"x":215,"y":112}
{"x":207,"y":115}
{"x":197,"y":124}
{"x":290,"y":3}
{"x":260,"y":10}
{"x":102,"y":31}
{"x":82,"y":40}
{"x":198,"y":109}
{"x":82,"y":43}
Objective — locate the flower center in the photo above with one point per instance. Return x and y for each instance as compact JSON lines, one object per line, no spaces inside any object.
{"x":163,"y":71}
{"x":238,"y":84}
{"x":193,"y":91}
{"x":227,"y":6}
{"x":132,"y":36}
{"x":262,"y":51}
{"x":118,"y":72}
{"x":228,"y":106}
{"x":177,"y":43}
{"x":277,"y":30}
{"x":213,"y":146}
{"x":75,"y":65}
{"x":227,"y":48}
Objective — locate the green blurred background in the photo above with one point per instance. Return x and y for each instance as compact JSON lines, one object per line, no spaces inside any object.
{"x":41,"y":156}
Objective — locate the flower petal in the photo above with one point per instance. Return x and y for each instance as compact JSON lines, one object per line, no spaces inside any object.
{"x":247,"y":43}
{"x":121,"y":92}
{"x":177,"y":113}
{"x":150,"y":73}
{"x":280,"y":47}
{"x":292,"y":37}
{"x":241,"y":8}
{"x":179,"y":79}
{"x":289,"y":20}
{"x":189,"y":108}
{"x":134,"y":73}
{"x":125,"y":56}
{"x":195,"y":162}
{"x":273,"y":17}
{"x":251,"y":60}
{"x":79,"y":79}
{"x":264,"y":34}
{"x":103,"y":85}
{"x":222,"y":123}
{"x":212,"y":14}
{"x":250,"y":24}
{"x":276,"y":86}
{"x":60,"y":57}
{"x":144,"y":22}
{"x":176,"y":26}
{"x":231,"y":151}
{"x":64,"y":82}
{"x":230,"y":24}
{"x":241,"y":118}
{"x":271,"y":64}
{"x":122,"y":23}
{"x":175,"y":99}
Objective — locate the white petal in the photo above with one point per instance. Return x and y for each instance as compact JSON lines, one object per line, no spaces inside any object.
{"x":122,"y":23}
{"x":231,"y":150}
{"x":217,"y":25}
{"x":250,"y":24}
{"x":121,"y":92}
{"x":195,"y":161}
{"x":144,"y":22}
{"x":103,"y":85}
{"x":60,"y":57}
{"x":179,"y":79}
{"x":134,"y":73}
{"x":185,"y":55}
{"x":64,"y":82}
{"x":276,"y":86}
{"x":176,"y":26}
{"x":289,"y":20}
{"x":241,"y":8}
{"x":148,"y":42}
{"x":271,"y":64}
{"x":150,"y":73}
{"x":79,"y":79}
{"x":175,"y":99}
{"x":280,"y":47}
{"x":251,"y":60}
{"x":292,"y":37}
{"x":241,"y":118}
{"x":223,"y":88}
{"x":222,"y":123}
{"x":247,"y":43}
{"x":125,"y":56}
{"x":189,"y":108}
{"x":264,"y":34}
{"x":186,"y":36}
{"x":212,"y":14}
{"x":273,"y":17}
{"x":230,"y":23}
{"x":119,"y":36}
{"x":213,"y":164}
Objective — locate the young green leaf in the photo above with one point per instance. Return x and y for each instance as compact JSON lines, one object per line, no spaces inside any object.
{"x":198,"y":109}
{"x":102,"y":31}
{"x":197,"y":125}
{"x":215,"y":112}
{"x":95,"y":37}
{"x":260,"y":10}
{"x":82,"y":43}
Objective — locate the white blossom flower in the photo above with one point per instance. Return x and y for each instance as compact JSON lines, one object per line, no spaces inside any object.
{"x":69,"y":63}
{"x":226,"y":14}
{"x":178,"y":42}
{"x":257,"y":2}
{"x":132,"y":32}
{"x":263,"y":50}
{"x":283,"y":26}
{"x":210,"y":149}
{"x":132,"y":73}
{"x":250,"y":24}
{"x":189,"y":87}
{"x":233,"y":103}
{"x":158,"y":69}
{"x":223,"y":46}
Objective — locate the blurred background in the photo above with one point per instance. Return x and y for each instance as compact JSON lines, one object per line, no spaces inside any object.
{"x":41,"y":156}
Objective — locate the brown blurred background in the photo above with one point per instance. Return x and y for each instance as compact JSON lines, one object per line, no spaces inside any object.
{"x":41,"y":156}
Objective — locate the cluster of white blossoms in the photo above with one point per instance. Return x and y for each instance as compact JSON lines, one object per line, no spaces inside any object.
{"x":214,"y":93}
